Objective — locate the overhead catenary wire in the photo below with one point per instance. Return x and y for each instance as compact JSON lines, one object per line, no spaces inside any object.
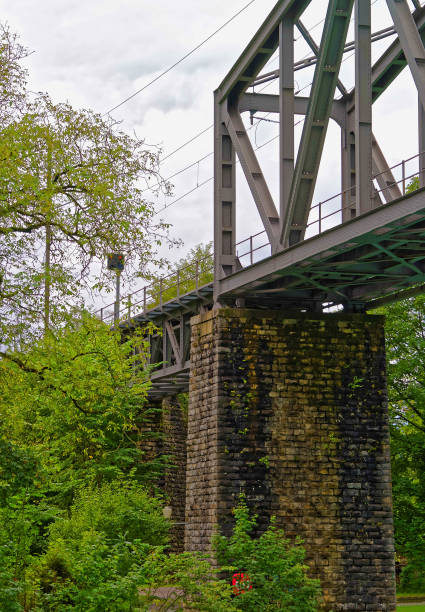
{"x":182,"y":59}
{"x":208,"y":180}
{"x":182,"y":197}
{"x":212,"y":125}
{"x":259,"y":119}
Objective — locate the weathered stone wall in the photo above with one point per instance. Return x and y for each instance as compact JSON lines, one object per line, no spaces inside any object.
{"x":202,"y":438}
{"x":292,"y":411}
{"x":165,"y":434}
{"x":175,"y":433}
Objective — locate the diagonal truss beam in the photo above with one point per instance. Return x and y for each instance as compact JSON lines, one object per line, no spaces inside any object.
{"x":259,"y":50}
{"x":410,"y":42}
{"x":315,"y":48}
{"x":286,"y":110}
{"x":174,"y":343}
{"x":315,"y":127}
{"x":253,"y":174}
{"x":384,"y":176}
{"x":393,"y":60}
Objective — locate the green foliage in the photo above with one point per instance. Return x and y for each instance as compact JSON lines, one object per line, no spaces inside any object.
{"x":185,"y":581}
{"x":412,"y":578}
{"x":99,"y":577}
{"x":79,"y":399}
{"x":71,"y":186}
{"x":413,"y":185}
{"x":108,"y":556}
{"x":115,"y":510}
{"x":275,"y":568}
{"x":10,"y":587}
{"x":405,"y":338}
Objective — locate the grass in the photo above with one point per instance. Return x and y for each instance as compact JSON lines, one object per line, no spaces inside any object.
{"x":411,"y":608}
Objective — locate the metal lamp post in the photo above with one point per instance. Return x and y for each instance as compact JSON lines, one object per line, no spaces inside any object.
{"x":115,"y":262}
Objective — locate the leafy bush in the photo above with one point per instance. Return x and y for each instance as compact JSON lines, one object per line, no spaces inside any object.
{"x":276,"y":570}
{"x":117,"y":509}
{"x":184,"y":581}
{"x":412,"y":579}
{"x":99,"y":577}
{"x":10,"y":586}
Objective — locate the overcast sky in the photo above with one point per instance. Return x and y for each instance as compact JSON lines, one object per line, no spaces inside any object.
{"x":95,"y":53}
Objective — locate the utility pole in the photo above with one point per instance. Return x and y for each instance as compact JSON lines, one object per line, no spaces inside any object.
{"x":115,"y":262}
{"x":48,"y":237}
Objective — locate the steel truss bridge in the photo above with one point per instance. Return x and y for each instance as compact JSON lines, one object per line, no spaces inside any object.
{"x":355,"y":251}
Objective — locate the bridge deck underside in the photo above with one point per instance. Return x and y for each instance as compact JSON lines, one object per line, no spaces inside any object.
{"x":354,"y":264}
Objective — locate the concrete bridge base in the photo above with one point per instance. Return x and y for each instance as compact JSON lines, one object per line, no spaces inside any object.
{"x":291,"y":409}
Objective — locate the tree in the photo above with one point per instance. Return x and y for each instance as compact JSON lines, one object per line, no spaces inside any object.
{"x":78,"y":399}
{"x":405,"y":338}
{"x":71,"y":191}
{"x":76,"y":429}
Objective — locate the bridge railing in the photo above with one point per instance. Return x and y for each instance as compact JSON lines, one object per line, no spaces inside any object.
{"x":174,"y":285}
{"x":253,"y":249}
{"x":323,"y":216}
{"x":328,"y":213}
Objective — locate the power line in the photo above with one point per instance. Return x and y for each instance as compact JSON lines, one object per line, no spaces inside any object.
{"x":186,"y":143}
{"x":212,"y":125}
{"x":181,"y":59}
{"x":268,"y":84}
{"x":198,"y":161}
{"x":254,"y":125}
{"x":208,"y":180}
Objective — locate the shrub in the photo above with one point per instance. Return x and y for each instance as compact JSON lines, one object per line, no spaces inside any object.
{"x":275,"y":569}
{"x":99,"y":577}
{"x":412,"y":579}
{"x":117,"y":509}
{"x":185,"y":581}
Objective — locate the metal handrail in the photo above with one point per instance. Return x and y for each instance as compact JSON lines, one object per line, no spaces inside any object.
{"x":153,"y":294}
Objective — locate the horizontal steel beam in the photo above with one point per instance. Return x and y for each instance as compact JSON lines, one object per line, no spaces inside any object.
{"x":170,"y":371}
{"x":269,"y":103}
{"x":274,"y":267}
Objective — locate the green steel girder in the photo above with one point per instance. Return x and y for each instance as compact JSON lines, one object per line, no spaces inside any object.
{"x":381,"y":82}
{"x":315,"y":126}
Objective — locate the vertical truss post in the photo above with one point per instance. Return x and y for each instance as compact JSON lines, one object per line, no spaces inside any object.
{"x":164,"y":345}
{"x":348,"y":168}
{"x":363,"y":106}
{"x":286,"y":108}
{"x":421,"y":130}
{"x":224,"y":198}
{"x":315,"y":126}
{"x":410,"y":41}
{"x":253,"y":174}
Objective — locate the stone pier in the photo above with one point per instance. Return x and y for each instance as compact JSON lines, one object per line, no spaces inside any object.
{"x":291,"y":410}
